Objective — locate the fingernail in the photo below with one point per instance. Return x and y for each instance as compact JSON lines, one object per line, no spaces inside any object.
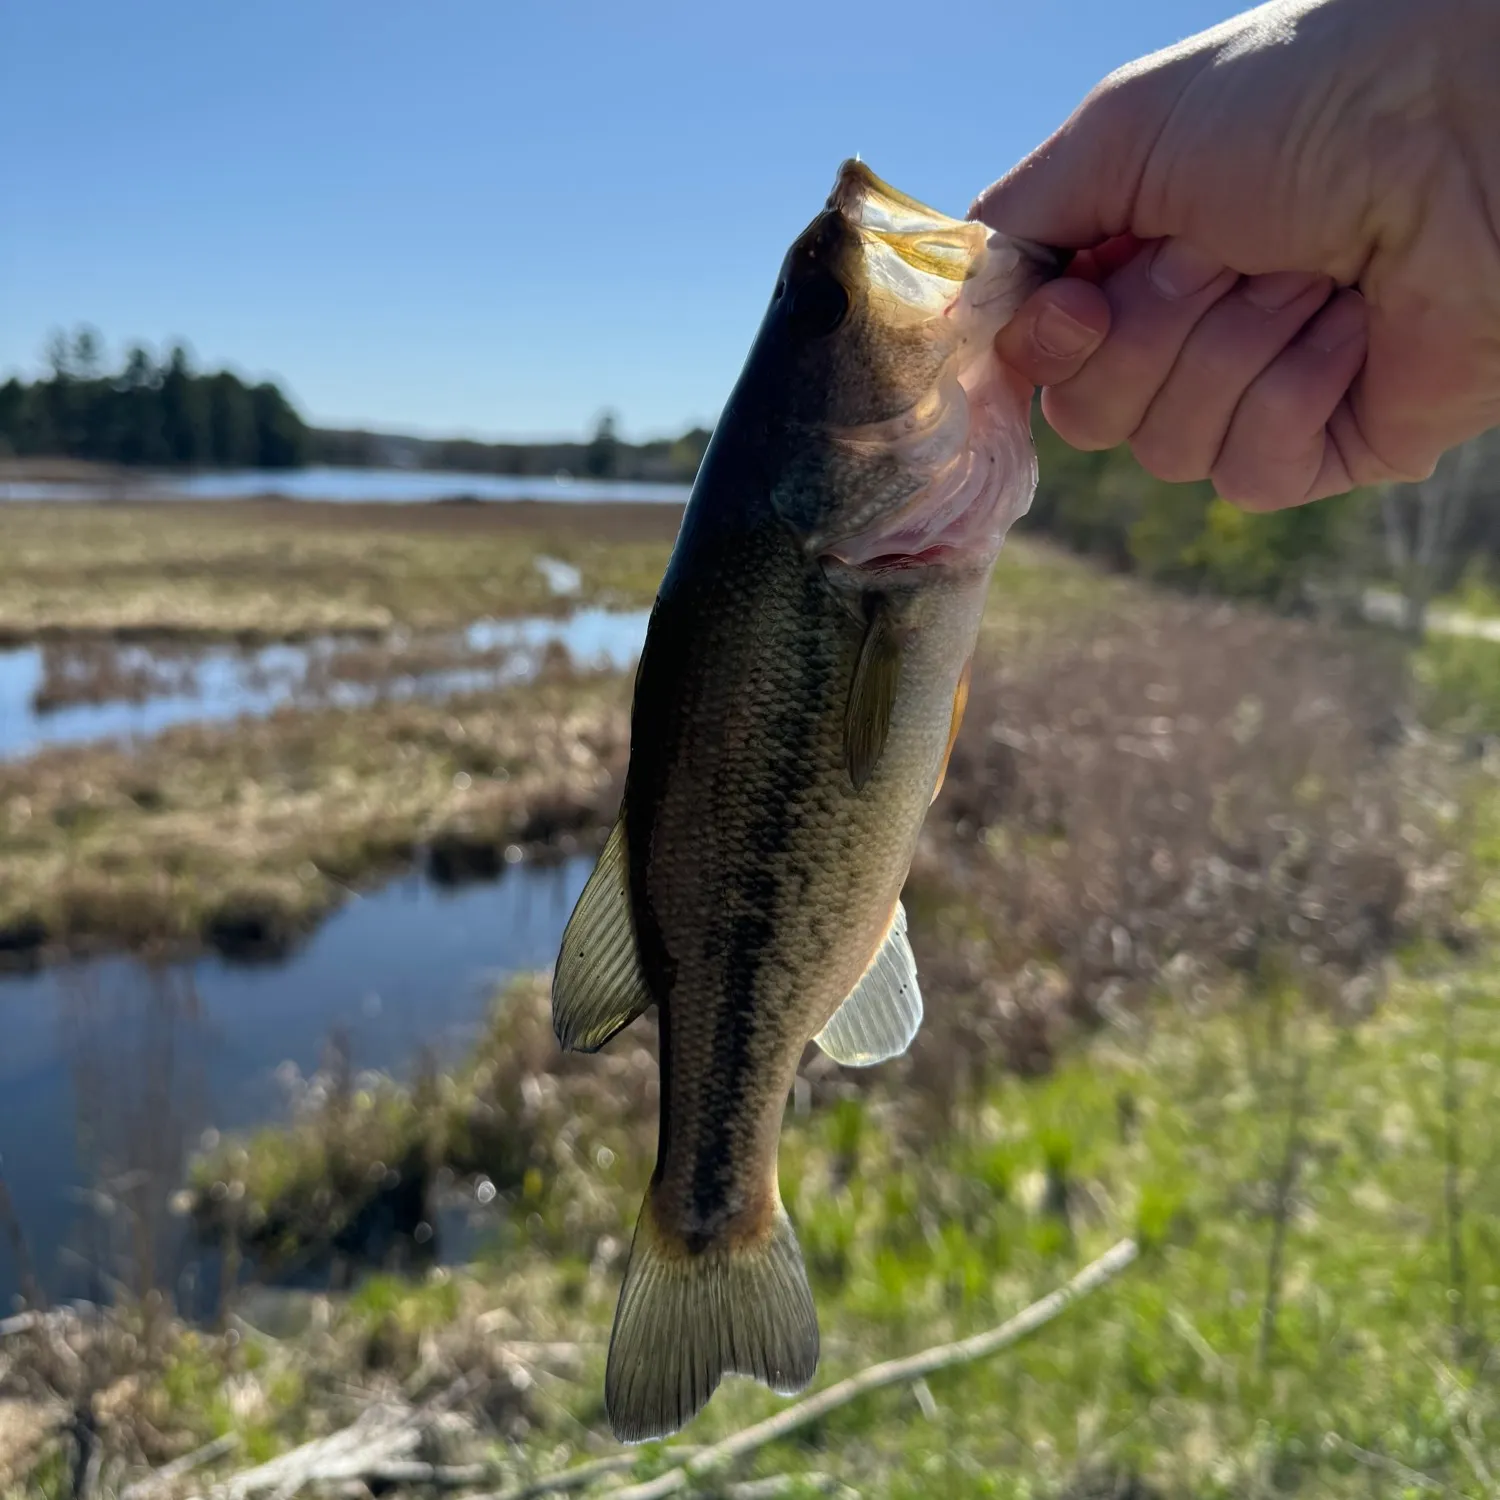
{"x":1061,"y":335}
{"x":1280,"y":289}
{"x":1178,"y":270}
{"x":1341,"y":323}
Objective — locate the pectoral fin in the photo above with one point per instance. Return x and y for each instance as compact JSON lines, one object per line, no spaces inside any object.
{"x":872,"y":695}
{"x":883,"y":1012}
{"x":598,"y":988}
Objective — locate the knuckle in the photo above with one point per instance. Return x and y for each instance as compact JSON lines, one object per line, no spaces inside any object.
{"x":1079,"y":422}
{"x":1163,"y":458}
{"x":1276,"y":408}
{"x":1253,"y":488}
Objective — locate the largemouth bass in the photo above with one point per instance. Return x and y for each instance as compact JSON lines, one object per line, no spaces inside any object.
{"x":799,"y":691}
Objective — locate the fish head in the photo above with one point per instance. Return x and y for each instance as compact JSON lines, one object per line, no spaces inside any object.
{"x":894,"y":438}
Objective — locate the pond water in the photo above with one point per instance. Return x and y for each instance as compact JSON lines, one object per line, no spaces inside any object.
{"x":111,"y":1071}
{"x":224,"y":682}
{"x":393,"y":486}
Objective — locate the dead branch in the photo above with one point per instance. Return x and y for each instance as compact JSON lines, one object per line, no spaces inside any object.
{"x":892,"y":1372}
{"x":580,"y":1477}
{"x":383,"y":1436}
{"x":784,"y":1484}
{"x":160,"y":1479}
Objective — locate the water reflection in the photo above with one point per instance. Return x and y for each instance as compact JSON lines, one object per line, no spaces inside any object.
{"x":353,"y":486}
{"x":138,"y":1104}
{"x":133,"y":691}
{"x":110,"y":1072}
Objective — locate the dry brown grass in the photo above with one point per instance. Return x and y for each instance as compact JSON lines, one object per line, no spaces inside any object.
{"x":243,"y":835}
{"x":1199,"y":792}
{"x":260,"y":570}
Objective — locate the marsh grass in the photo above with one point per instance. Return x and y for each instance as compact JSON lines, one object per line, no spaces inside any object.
{"x":281,"y":570}
{"x":243,"y":836}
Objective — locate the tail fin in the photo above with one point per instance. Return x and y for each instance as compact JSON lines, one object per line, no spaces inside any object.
{"x":686,"y":1319}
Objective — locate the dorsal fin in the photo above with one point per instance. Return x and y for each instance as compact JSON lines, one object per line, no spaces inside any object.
{"x":883,"y":1012}
{"x":598,"y":988}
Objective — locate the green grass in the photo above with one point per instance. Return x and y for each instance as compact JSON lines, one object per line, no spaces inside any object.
{"x":1461,"y":679}
{"x":1170,"y":1374}
{"x":1178,"y":1372}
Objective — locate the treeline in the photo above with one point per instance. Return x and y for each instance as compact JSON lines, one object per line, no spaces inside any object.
{"x":147,"y":411}
{"x":1107,"y":506}
{"x":605,"y":455}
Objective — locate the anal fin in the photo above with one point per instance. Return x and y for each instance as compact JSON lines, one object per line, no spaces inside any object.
{"x":598,"y":988}
{"x":883,"y":1012}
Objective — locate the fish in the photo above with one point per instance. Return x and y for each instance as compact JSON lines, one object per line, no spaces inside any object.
{"x":801,"y":684}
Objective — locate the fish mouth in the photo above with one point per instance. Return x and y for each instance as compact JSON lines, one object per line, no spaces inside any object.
{"x":968,"y":440}
{"x":918,"y":256}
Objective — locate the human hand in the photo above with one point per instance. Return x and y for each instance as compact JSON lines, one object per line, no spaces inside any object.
{"x":1290,"y":226}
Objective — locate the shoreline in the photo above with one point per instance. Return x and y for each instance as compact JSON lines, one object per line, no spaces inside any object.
{"x":242,"y":837}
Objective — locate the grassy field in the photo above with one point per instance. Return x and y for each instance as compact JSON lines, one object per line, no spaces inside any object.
{"x":1206,"y":920}
{"x":281,"y":570}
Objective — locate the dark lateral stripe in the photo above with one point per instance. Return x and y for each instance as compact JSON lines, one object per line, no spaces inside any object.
{"x":794,"y":732}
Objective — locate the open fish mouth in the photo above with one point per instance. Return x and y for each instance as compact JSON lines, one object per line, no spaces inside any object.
{"x":920,"y":257}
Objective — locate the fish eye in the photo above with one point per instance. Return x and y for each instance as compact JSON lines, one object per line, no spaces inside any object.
{"x":818,"y":306}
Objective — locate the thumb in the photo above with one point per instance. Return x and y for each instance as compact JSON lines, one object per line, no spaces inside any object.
{"x":1080,"y":186}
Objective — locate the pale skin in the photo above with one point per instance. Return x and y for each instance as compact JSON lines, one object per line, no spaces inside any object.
{"x":1289,"y":233}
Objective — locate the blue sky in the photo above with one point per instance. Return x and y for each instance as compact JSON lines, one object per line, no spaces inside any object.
{"x":491,"y":218}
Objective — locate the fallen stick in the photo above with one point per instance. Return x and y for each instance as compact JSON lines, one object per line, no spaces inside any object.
{"x":383,"y":1434}
{"x":580,"y":1477}
{"x":160,"y":1478}
{"x":892,"y":1372}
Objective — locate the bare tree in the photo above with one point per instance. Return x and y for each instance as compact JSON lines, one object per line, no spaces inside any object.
{"x":1425,"y":521}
